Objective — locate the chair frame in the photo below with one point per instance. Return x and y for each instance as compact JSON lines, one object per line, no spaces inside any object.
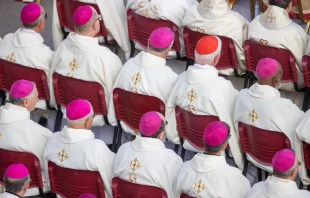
{"x":306,"y":73}
{"x":306,"y":151}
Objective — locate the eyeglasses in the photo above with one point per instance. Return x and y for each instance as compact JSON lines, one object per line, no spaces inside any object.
{"x":94,"y":116}
{"x":30,"y":180}
{"x":166,"y":122}
{"x":45,"y":16}
{"x":99,"y":18}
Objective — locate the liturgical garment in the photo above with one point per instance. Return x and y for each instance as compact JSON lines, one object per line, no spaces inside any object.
{"x":302,"y":129}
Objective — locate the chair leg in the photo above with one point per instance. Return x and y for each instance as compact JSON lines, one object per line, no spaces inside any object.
{"x":116,"y":49}
{"x":58,"y":120}
{"x":306,"y":100}
{"x":132,"y":50}
{"x":114,"y":139}
{"x":41,"y":192}
{"x":3,"y":97}
{"x":176,"y":148}
{"x":246,"y":80}
{"x":119,"y":136}
{"x":266,"y":174}
{"x":301,"y":185}
{"x":188,"y":63}
{"x":259,"y":174}
{"x":246,"y":163}
{"x":183,"y":153}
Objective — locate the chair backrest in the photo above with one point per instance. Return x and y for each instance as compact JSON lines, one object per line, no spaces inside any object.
{"x":185,"y":196}
{"x":67,"y":89}
{"x":228,"y":56}
{"x":71,"y":183}
{"x":140,"y":28}
{"x":66,"y":8}
{"x":130,"y":107}
{"x":27,"y":159}
{"x":191,"y":126}
{"x":125,"y":189}
{"x":261,"y":144}
{"x":306,"y":151}
{"x":306,"y":69}
{"x":11,"y":72}
{"x":256,"y":51}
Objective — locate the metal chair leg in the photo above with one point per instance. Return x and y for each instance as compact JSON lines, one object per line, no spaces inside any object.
{"x":306,"y":100}
{"x":119,"y":136}
{"x":259,"y":174}
{"x":246,"y":163}
{"x":114,"y":139}
{"x":246,"y":80}
{"x":3,"y":97}
{"x":176,"y":148}
{"x":58,"y":120}
{"x":183,"y":153}
{"x":132,"y":50}
{"x":266,"y":174}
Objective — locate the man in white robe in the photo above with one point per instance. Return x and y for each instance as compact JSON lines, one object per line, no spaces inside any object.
{"x":115,"y":21}
{"x":262,"y":106}
{"x":16,"y":180}
{"x":145,"y":160}
{"x":81,"y":57}
{"x":281,"y":183}
{"x":201,"y":91}
{"x":25,"y":46}
{"x":171,"y":10}
{"x":302,"y":129}
{"x":18,"y":132}
{"x":274,"y":28}
{"x":208,"y":174}
{"x":214,"y":17}
{"x":147,"y":72}
{"x":75,"y":146}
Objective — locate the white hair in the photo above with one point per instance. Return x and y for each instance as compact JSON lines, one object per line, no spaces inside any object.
{"x":210,"y":57}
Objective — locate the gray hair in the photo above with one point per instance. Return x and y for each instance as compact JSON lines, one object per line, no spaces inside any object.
{"x":15,"y":185}
{"x":82,"y":120}
{"x":86,"y":27}
{"x":36,"y":22}
{"x":20,"y":101}
{"x":161,"y":129}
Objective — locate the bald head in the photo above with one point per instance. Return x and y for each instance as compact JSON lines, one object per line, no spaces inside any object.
{"x":269,"y":72}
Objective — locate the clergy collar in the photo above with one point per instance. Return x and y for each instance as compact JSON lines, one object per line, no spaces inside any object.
{"x":70,"y":135}
{"x":211,"y":9}
{"x":275,"y":18}
{"x":277,"y":187}
{"x":196,"y":75}
{"x":145,"y":59}
{"x":11,"y":113}
{"x":206,"y":163}
{"x":145,"y":144}
{"x":263,"y":91}
{"x":26,"y":38}
{"x":79,"y":44}
{"x":8,"y":192}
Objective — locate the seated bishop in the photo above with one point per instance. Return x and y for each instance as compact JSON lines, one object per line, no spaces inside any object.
{"x":114,"y":17}
{"x":302,"y":129}
{"x":214,"y":17}
{"x":274,"y":28}
{"x":18,"y":132}
{"x":26,"y":46}
{"x":208,"y":174}
{"x":262,"y":106}
{"x":281,"y":183}
{"x":146,"y":160}
{"x":147,"y":73}
{"x":75,"y":146}
{"x":80,"y":56}
{"x":200,"y":90}
{"x":171,"y":10}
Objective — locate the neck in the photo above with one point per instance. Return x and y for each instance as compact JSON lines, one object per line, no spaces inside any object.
{"x":161,"y":55}
{"x":89,"y":34}
{"x":34,"y":29}
{"x":215,"y":154}
{"x":19,"y":194}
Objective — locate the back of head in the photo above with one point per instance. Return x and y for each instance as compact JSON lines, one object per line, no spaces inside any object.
{"x":16,"y":179}
{"x":151,"y":125}
{"x":33,"y":17}
{"x":86,"y":21}
{"x":280,"y":3}
{"x":215,"y":137}
{"x":208,"y":50}
{"x":160,"y":42}
{"x":79,"y":114}
{"x":284,"y":163}
{"x":87,"y":195}
{"x":269,"y":72}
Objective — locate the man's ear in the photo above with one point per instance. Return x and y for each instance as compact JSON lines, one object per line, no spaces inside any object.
{"x":88,"y":123}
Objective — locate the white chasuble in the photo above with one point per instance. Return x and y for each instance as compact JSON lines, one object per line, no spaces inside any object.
{"x":26,"y":47}
{"x":19,"y":133}
{"x":144,"y":74}
{"x":214,"y":17}
{"x":302,"y":129}
{"x":114,"y":17}
{"x":201,"y":91}
{"x":274,"y":28}
{"x":146,"y":161}
{"x":78,"y":149}
{"x":261,"y":106}
{"x":0,"y":40}
{"x":8,"y":195}
{"x":209,"y":176}
{"x":81,"y":57}
{"x":277,"y":187}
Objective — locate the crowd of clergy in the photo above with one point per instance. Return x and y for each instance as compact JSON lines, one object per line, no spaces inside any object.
{"x":201,"y":90}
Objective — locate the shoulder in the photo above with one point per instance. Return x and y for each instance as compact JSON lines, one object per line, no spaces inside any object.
{"x":36,"y":128}
{"x":170,"y":72}
{"x":171,"y":156}
{"x":238,"y":17}
{"x":8,"y":36}
{"x":224,"y":83}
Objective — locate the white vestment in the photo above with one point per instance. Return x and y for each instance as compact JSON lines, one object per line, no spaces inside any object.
{"x":114,"y":17}
{"x":8,"y":195}
{"x":261,"y":106}
{"x":201,"y":91}
{"x":274,"y":187}
{"x":19,"y":133}
{"x":0,"y":40}
{"x":144,"y":74}
{"x":214,"y":17}
{"x":146,"y":161}
{"x":26,"y":47}
{"x":78,"y":149}
{"x":274,"y":28}
{"x":210,"y":176}
{"x":81,"y":57}
{"x":171,"y":10}
{"x":302,"y":129}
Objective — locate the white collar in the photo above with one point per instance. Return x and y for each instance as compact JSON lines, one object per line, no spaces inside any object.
{"x":145,"y":59}
{"x":11,"y":113}
{"x":275,"y":18}
{"x":263,"y":91}
{"x":205,"y":163}
{"x":147,"y":144}
{"x":79,"y":44}
{"x":199,"y":74}
{"x":277,"y":187}
{"x":30,"y":31}
{"x":70,"y":135}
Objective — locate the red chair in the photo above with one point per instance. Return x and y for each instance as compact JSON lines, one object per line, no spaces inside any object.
{"x":122,"y":188}
{"x":140,"y":28}
{"x":306,"y":72}
{"x":71,"y":183}
{"x":67,"y":89}
{"x":130,"y":107}
{"x":261,"y":145}
{"x":306,"y":151}
{"x":27,"y":159}
{"x":11,"y":72}
{"x":255,"y":51}
{"x":191,"y":127}
{"x":186,"y":196}
{"x":228,"y":58}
